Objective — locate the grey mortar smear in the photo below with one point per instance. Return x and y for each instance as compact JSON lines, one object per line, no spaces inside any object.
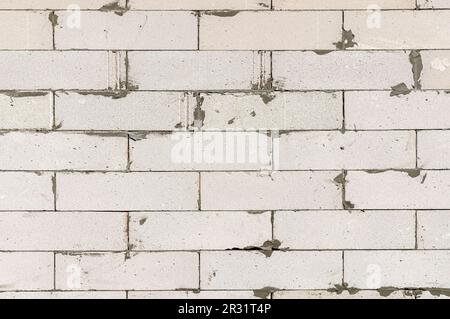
{"x":267,"y":248}
{"x":17,"y":94}
{"x":267,"y":97}
{"x":417,"y":67}
{"x":339,"y":289}
{"x":199,"y":114}
{"x":105,"y":134}
{"x":400,"y":89}
{"x":114,"y":7}
{"x":341,"y":180}
{"x":413,"y":173}
{"x":322,"y":52}
{"x":53,"y":18}
{"x":264,"y":293}
{"x":387,"y":291}
{"x":223,"y":13}
{"x":138,"y":136}
{"x":112,"y":94}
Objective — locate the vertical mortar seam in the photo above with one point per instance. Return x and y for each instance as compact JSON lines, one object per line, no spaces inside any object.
{"x":53,"y":31}
{"x":198,"y":29}
{"x":128,"y":167}
{"x":199,"y":203}
{"x":416,"y":231}
{"x":199,"y":272}
{"x":342,"y":30}
{"x":128,"y":232}
{"x":54,"y":110}
{"x":272,"y":219}
{"x":54,"y":191}
{"x":343,"y":112}
{"x":54,"y":270}
{"x":271,"y":70}
{"x":272,"y":153}
{"x":127,"y":68}
{"x":417,"y":147}
{"x":344,"y":180}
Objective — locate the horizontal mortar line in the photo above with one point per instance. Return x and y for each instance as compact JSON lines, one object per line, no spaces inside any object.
{"x":59,"y":290}
{"x":101,"y":50}
{"x":137,"y":290}
{"x":280,"y":210}
{"x":99,"y":10}
{"x":262,"y":10}
{"x":275,"y":90}
{"x":360,"y":290}
{"x":282,"y":250}
{"x":203,"y":10}
{"x":313,"y":50}
{"x":363,"y":10}
{"x":217,"y":91}
{"x":221,"y":50}
{"x":212,"y":91}
{"x":261,"y":171}
{"x":246,"y":211}
{"x":222,"y":210}
{"x":262,"y":130}
{"x":180,"y":290}
{"x":186,"y":290}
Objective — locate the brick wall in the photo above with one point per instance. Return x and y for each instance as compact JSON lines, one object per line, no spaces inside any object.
{"x":224,"y":149}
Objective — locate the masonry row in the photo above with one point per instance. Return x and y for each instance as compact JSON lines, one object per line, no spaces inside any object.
{"x":232,"y":30}
{"x":121,"y":5}
{"x":224,"y":151}
{"x":173,"y":111}
{"x":238,"y":270}
{"x":174,"y":231}
{"x":219,"y":70}
{"x":396,"y":189}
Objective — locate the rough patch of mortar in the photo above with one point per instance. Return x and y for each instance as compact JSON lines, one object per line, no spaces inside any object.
{"x":347,"y":40}
{"x":137,"y":136}
{"x":339,"y":289}
{"x":222,"y":13}
{"x":268,"y":247}
{"x":114,"y":7}
{"x":53,"y":18}
{"x":387,"y":291}
{"x":199,"y":114}
{"x":322,"y":52}
{"x":400,"y":89}
{"x":413,"y":173}
{"x":267,"y":97}
{"x":417,"y":67}
{"x":18,"y":94}
{"x":112,"y":94}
